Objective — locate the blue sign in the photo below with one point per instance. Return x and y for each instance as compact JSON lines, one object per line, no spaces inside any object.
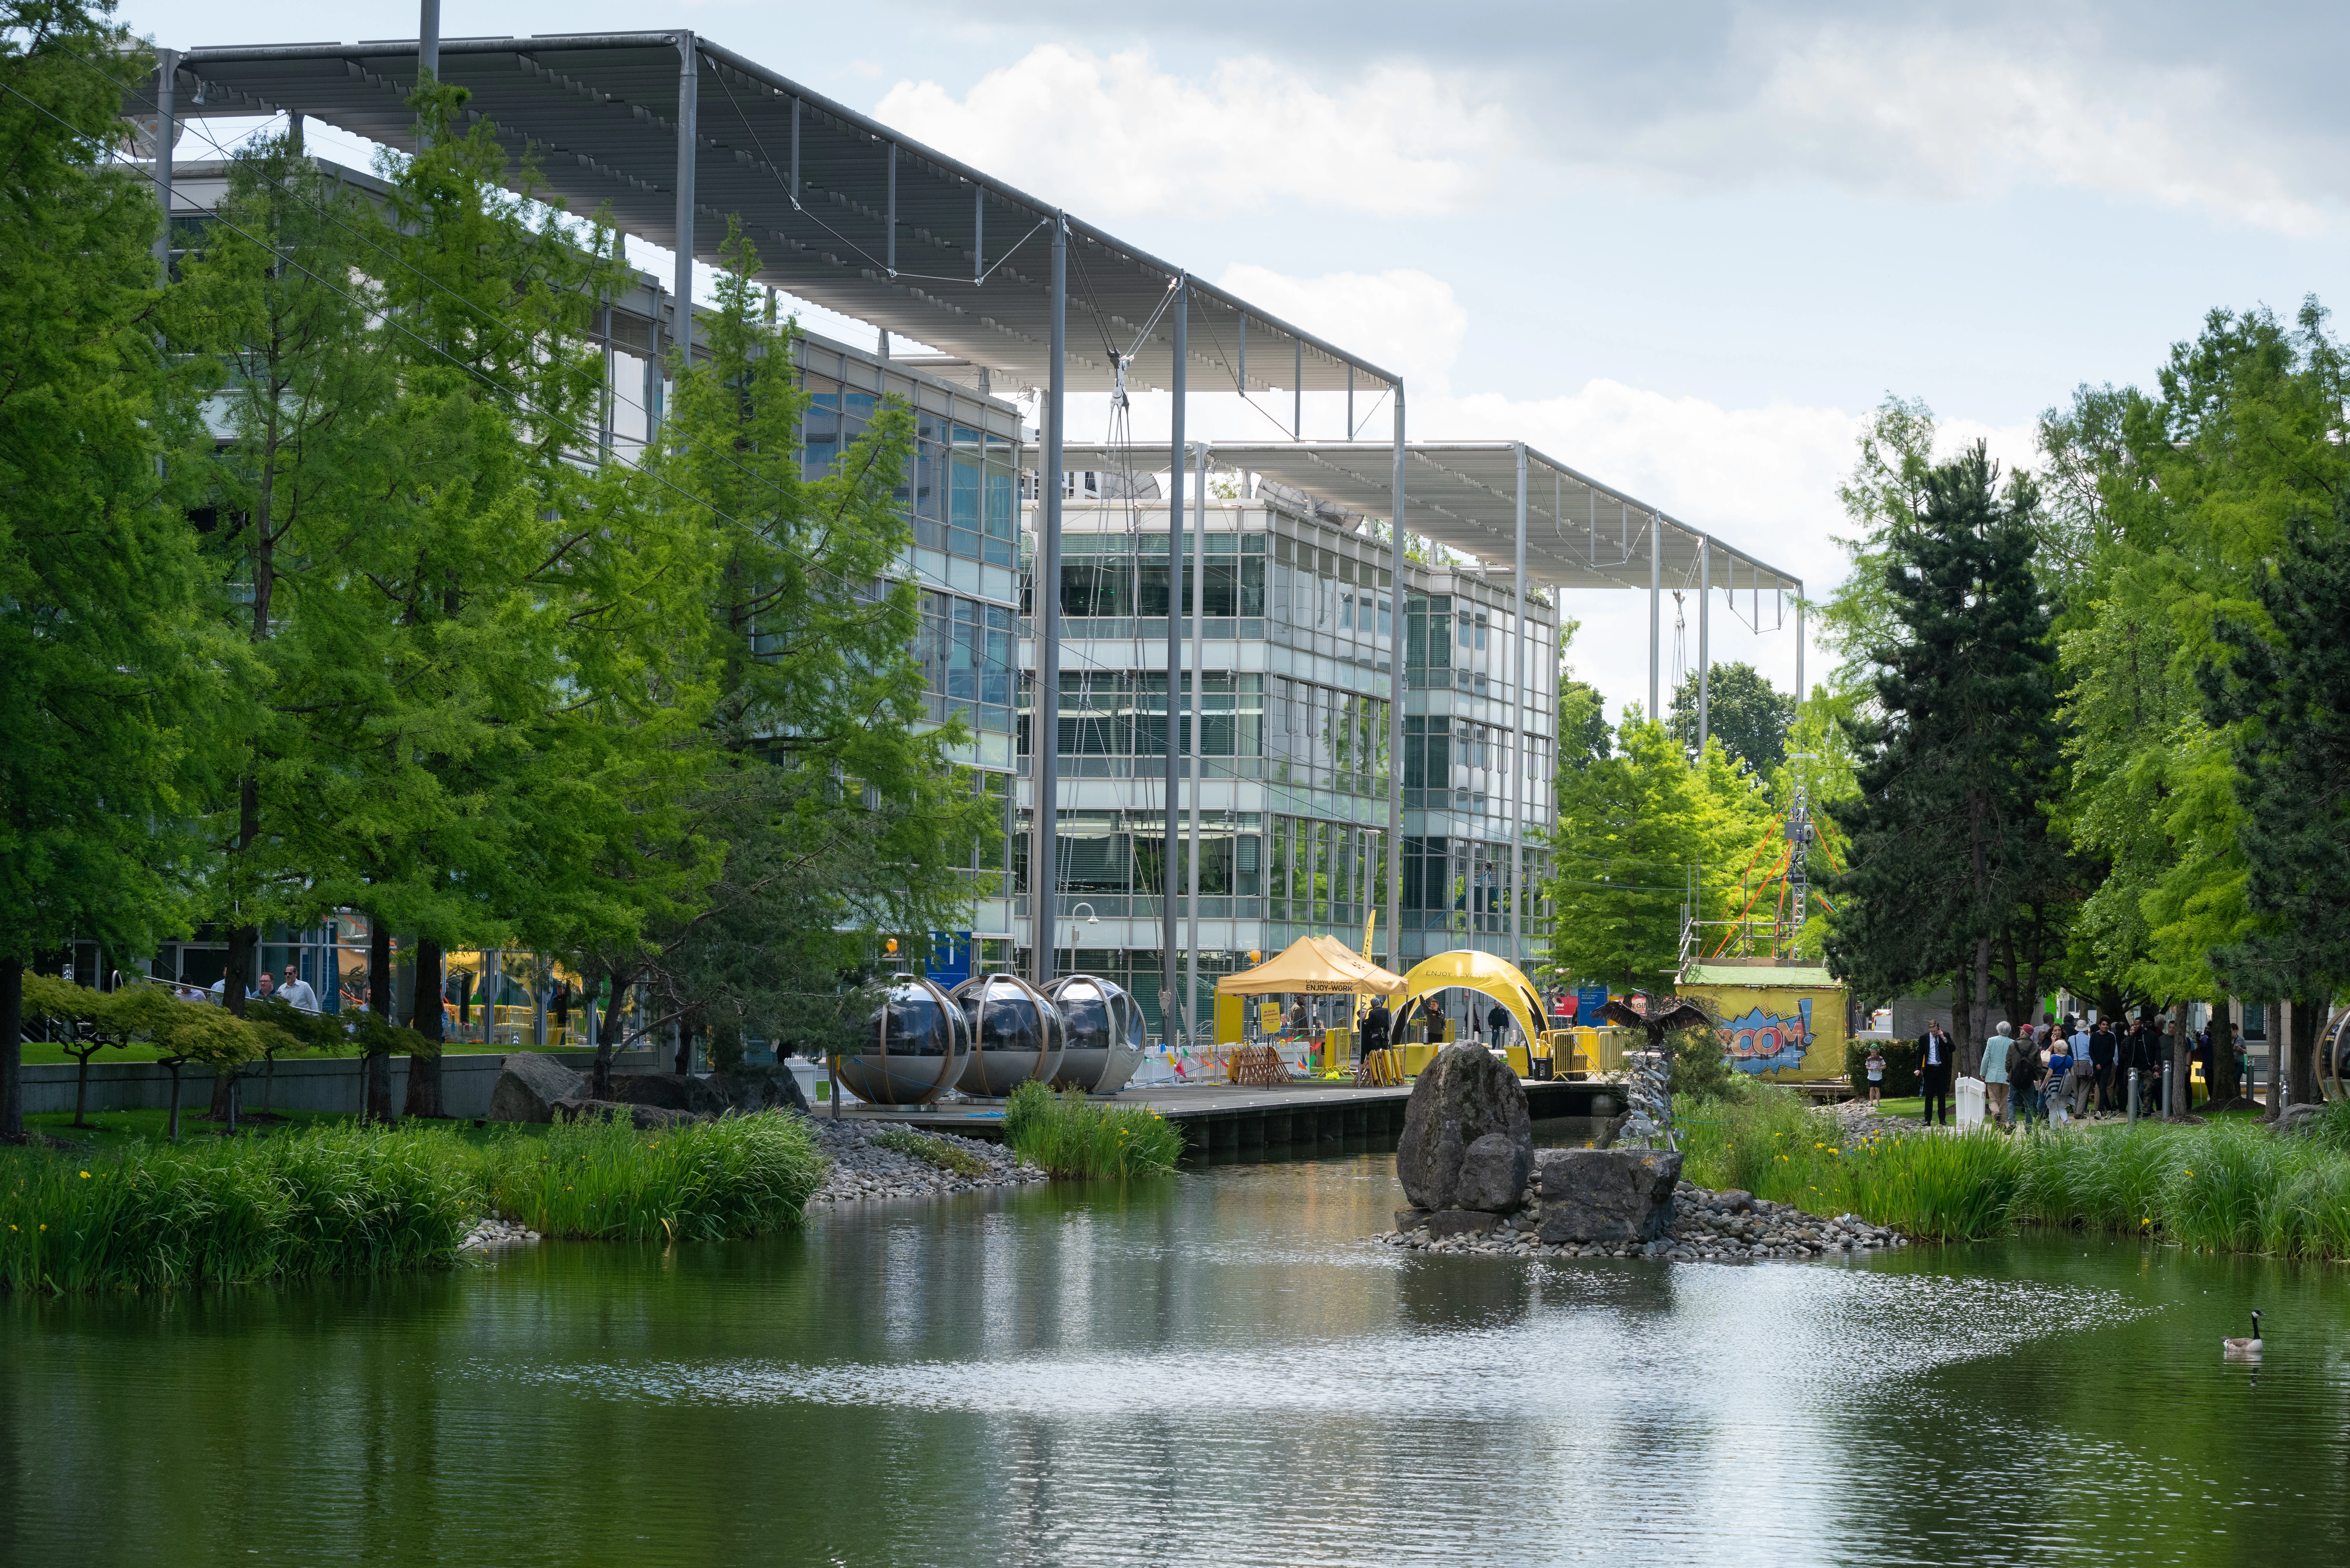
{"x":1589,"y":1000}
{"x":950,"y":957}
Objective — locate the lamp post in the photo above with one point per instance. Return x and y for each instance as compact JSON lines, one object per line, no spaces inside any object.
{"x":1091,"y":919}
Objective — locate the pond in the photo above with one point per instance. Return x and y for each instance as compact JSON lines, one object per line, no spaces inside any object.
{"x":1212,"y":1369}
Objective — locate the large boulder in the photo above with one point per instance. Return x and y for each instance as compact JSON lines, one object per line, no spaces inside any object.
{"x":669,"y":1092}
{"x":528,"y":1088}
{"x":643,"y":1118}
{"x":1611,"y":1195}
{"x":754,"y":1089}
{"x":1468,"y":1142}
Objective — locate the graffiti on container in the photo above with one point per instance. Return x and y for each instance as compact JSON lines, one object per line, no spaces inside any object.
{"x":1769,"y":1041}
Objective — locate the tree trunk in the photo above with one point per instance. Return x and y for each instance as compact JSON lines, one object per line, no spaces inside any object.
{"x":2274,"y":1028}
{"x":81,"y":1087}
{"x":376,"y":1069}
{"x":424,"y":1019}
{"x":2011,"y":986}
{"x":1962,"y":1021}
{"x":2308,"y":1020}
{"x":243,"y":942}
{"x":2182,"y":1088}
{"x":2224,"y":1084}
{"x":684,"y":1046}
{"x":608,"y":1037}
{"x":175,"y":1100}
{"x":1971,"y":1051}
{"x":12,"y":1050}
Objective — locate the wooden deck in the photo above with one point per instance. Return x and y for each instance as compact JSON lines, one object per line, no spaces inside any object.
{"x":1214,"y":1116}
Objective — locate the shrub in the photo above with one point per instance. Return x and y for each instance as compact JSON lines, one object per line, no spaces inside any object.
{"x":1901,"y":1058}
{"x":326,"y":1201}
{"x":929,"y":1150}
{"x":703,"y":1181}
{"x":1069,"y":1136}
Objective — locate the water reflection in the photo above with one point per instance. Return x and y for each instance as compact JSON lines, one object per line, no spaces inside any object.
{"x":1214,"y":1368}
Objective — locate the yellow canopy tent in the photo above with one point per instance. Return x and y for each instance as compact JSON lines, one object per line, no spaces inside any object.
{"x":1320,"y":966}
{"x":1484,"y":974}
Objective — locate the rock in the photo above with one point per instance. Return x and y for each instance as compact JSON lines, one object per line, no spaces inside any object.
{"x":1606,"y":1195}
{"x":1409,"y":1219}
{"x":1461,"y":1222}
{"x":641,"y":1116}
{"x":761,"y":1089}
{"x":2299,"y":1118}
{"x":529,"y":1086}
{"x":1493,"y":1172}
{"x":669,"y":1092}
{"x":1465,"y":1095}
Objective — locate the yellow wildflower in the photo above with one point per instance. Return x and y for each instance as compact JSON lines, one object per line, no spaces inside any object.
{"x":85,"y":1175}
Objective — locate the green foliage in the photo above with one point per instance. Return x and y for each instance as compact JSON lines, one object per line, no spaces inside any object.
{"x":1629,"y":838}
{"x":1744,"y":710}
{"x":705,"y":1181}
{"x":1696,"y":1065}
{"x":1881,"y":499}
{"x":1952,"y":852}
{"x":929,"y":1150}
{"x":1901,"y":1058}
{"x":1071,"y":1137}
{"x":110,"y":675}
{"x":185,"y":1031}
{"x":1583,"y":735}
{"x":233,"y":1212}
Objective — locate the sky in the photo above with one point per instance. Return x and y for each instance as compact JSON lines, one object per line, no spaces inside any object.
{"x":1685,"y":249}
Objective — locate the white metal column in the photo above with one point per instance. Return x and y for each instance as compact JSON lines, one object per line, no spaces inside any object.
{"x":1044,"y":730}
{"x":688,"y":134}
{"x":1168,"y":939}
{"x":1199,"y":768}
{"x":1704,"y":644}
{"x":1397,"y":673}
{"x":1518,"y":739}
{"x":1656,"y":615}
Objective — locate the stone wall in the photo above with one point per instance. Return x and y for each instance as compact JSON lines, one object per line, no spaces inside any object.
{"x":312,"y":1084}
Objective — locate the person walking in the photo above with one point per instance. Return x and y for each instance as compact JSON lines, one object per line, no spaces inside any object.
{"x":2083,"y":1079}
{"x":1934,"y":1073}
{"x":2103,"y":1051}
{"x":2053,"y":1092}
{"x":1375,"y":1027}
{"x":1994,"y":1072}
{"x":297,"y":991}
{"x":1497,"y":1024}
{"x":2025,"y":1073}
{"x":1875,"y":1067}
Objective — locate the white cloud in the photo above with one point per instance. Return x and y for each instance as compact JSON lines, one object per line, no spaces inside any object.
{"x":1403,"y":320}
{"x":1115,"y":134}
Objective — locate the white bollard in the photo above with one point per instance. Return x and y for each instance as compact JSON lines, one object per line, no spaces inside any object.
{"x":1970,"y":1104}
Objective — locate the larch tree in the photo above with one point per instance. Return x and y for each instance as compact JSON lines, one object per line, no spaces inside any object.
{"x":111,"y":667}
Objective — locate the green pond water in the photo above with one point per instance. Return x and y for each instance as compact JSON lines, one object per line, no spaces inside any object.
{"x":1217,"y":1368}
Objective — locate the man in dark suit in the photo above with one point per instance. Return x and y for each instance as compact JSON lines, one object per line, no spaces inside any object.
{"x":2138,"y":1053}
{"x":2102,"y":1051}
{"x":1375,"y":1026}
{"x":1935,"y":1053}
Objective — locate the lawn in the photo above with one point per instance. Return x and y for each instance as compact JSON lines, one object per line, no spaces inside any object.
{"x":106,"y":1130}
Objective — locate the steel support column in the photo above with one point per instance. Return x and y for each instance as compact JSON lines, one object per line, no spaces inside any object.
{"x":1656,"y":615}
{"x":1198,"y":764}
{"x":689,"y":80}
{"x":167,"y":131}
{"x":1704,"y":640}
{"x":1045,"y":734}
{"x":1518,"y":738}
{"x":428,"y":39}
{"x":1398,"y":675}
{"x":1167,"y":1013}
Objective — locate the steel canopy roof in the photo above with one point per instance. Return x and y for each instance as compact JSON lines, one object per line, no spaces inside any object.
{"x":814,"y":184}
{"x":1580,"y":534}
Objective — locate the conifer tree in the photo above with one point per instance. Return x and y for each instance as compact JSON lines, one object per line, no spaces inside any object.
{"x":1950,"y":831}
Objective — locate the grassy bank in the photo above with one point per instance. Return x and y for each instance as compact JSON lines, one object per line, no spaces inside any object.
{"x":706,"y":1181}
{"x":340,"y":1198}
{"x":1069,"y":1134}
{"x":2231,"y":1186}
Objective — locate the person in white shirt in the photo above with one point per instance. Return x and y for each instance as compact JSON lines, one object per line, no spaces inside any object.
{"x":297,"y":991}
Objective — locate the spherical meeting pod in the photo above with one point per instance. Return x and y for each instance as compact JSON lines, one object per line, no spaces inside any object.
{"x":913,"y":1047}
{"x":1104,"y":1044}
{"x":2334,"y":1058}
{"x":1016,"y":1034}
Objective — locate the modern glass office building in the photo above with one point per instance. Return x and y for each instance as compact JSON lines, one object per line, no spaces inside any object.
{"x":1296,"y":661}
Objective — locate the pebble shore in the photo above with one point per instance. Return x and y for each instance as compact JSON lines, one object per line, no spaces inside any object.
{"x":1730,"y":1227}
{"x":496,"y":1232}
{"x":862,"y":1169}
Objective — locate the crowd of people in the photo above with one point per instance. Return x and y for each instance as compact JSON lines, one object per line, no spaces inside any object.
{"x":2071,"y":1068}
{"x":293,"y":990}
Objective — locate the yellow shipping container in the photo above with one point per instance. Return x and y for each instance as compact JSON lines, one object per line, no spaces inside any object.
{"x":1782,"y":1024}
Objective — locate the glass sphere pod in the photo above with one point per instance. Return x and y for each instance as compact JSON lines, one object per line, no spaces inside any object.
{"x":1104,"y":1033}
{"x":912,"y":1047}
{"x":2333,"y":1059}
{"x":1016,"y":1034}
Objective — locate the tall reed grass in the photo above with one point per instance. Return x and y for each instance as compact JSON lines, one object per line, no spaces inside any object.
{"x":1069,"y":1134}
{"x":232,"y":1211}
{"x":704,"y":1181}
{"x":2229,"y":1187}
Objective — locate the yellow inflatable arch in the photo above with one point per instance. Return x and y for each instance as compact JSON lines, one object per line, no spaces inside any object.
{"x":1466,"y":970}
